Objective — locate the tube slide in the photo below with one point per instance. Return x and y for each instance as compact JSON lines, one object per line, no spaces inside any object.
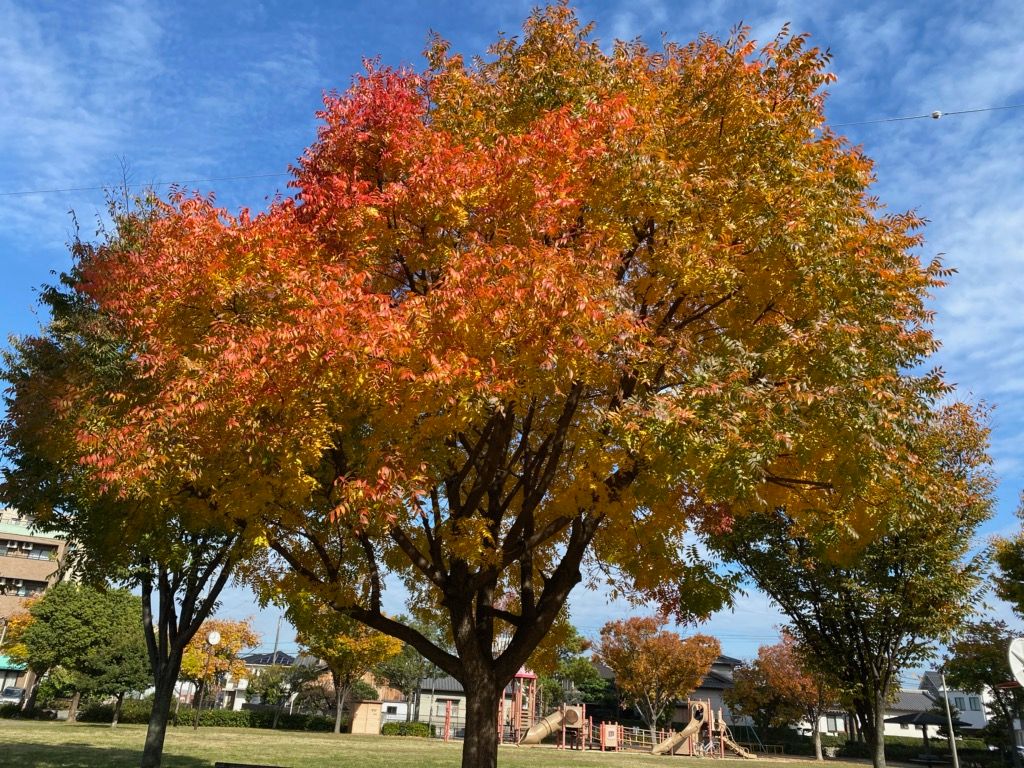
{"x":543,"y":729}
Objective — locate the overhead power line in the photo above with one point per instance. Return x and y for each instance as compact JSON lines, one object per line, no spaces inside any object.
{"x":933,"y":115}
{"x":247,"y":177}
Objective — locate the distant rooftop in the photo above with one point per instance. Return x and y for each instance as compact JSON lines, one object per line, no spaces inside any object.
{"x":268,"y":659}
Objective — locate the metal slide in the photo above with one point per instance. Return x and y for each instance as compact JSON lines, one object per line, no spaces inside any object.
{"x":543,"y":729}
{"x":671,"y":744}
{"x":734,"y":747}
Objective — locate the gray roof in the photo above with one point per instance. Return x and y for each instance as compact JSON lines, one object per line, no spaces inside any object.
{"x":445,"y":684}
{"x":912,"y":701}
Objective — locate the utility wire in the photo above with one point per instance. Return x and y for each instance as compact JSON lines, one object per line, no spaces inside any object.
{"x":933,"y":115}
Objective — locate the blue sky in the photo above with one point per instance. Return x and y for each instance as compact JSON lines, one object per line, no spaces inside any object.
{"x":188,"y":90}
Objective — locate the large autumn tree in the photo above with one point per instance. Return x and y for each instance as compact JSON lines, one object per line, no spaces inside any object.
{"x":165,"y":535}
{"x":863,"y":616}
{"x":527,"y":316}
{"x":654,"y":667}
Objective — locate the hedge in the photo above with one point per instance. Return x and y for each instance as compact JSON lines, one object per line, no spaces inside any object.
{"x":406,"y":729}
{"x":137,"y":712}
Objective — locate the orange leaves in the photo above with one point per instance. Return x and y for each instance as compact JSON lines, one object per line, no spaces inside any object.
{"x":654,"y":667}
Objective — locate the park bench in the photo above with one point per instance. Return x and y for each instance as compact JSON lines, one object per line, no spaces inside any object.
{"x":242,"y":765}
{"x":930,"y":760}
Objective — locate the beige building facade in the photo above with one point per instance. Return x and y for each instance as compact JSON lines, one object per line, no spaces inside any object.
{"x":29,"y":562}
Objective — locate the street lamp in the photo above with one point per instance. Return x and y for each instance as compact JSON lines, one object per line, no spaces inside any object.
{"x":212,"y":641}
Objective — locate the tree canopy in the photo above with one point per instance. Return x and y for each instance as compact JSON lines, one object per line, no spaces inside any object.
{"x":864,"y":616}
{"x":558,"y":307}
{"x":654,"y":667}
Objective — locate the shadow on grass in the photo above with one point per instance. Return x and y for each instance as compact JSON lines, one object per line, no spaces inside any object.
{"x":73,"y":755}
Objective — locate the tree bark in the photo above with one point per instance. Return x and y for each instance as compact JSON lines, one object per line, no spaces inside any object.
{"x":117,"y":709}
{"x":480,"y":744}
{"x":165,"y":678}
{"x":73,"y":709}
{"x":33,"y":690}
{"x":816,"y":736}
{"x":877,"y":735}
{"x":340,"y":692}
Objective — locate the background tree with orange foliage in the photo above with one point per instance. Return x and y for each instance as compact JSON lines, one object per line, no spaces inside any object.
{"x":560,"y":305}
{"x":779,"y":690}
{"x":654,"y":667}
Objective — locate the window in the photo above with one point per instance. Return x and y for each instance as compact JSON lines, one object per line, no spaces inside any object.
{"x":391,"y":709}
{"x":904,"y":726}
{"x":833,"y":724}
{"x":441,"y":705}
{"x":958,"y":702}
{"x":975,"y":703}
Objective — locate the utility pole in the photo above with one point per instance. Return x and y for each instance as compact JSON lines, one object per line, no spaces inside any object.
{"x":277,"y":638}
{"x":949,"y":720}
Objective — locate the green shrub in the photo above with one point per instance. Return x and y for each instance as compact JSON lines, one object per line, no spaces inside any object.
{"x":406,"y":729}
{"x":9,"y":710}
{"x":133,"y":712}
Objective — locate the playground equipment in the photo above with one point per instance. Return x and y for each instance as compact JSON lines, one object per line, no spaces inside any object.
{"x":677,"y":741}
{"x":519,"y":719}
{"x":570,"y":720}
{"x":690,"y":741}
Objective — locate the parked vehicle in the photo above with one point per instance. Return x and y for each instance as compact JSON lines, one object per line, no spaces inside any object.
{"x":11,"y":695}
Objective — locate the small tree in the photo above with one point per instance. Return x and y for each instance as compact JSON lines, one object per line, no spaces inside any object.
{"x":404,"y":671}
{"x":121,"y":664}
{"x":654,"y":667}
{"x":202,"y":664}
{"x":778,"y":690}
{"x":349,"y":649}
{"x":279,"y":683}
{"x":977,"y":661}
{"x":80,"y":629}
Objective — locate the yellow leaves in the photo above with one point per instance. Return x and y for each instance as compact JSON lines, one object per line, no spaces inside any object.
{"x":202,"y":662}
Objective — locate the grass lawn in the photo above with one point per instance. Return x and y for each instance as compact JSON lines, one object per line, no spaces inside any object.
{"x":59,"y":745}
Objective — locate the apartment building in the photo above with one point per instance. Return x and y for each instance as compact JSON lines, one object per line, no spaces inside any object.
{"x":29,"y":562}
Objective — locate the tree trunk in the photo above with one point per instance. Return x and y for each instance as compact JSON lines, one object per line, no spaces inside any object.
{"x":816,"y":736}
{"x":117,"y":709}
{"x":339,"y":701}
{"x":165,"y":679}
{"x":73,"y":709}
{"x":876,"y":736}
{"x":277,"y":713}
{"x":480,"y":744}
{"x":33,"y":690}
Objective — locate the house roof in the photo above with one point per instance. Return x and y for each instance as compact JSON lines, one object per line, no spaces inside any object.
{"x":6,"y":663}
{"x":268,"y":659}
{"x":718,"y":678}
{"x":446,"y":684}
{"x":912,"y":701}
